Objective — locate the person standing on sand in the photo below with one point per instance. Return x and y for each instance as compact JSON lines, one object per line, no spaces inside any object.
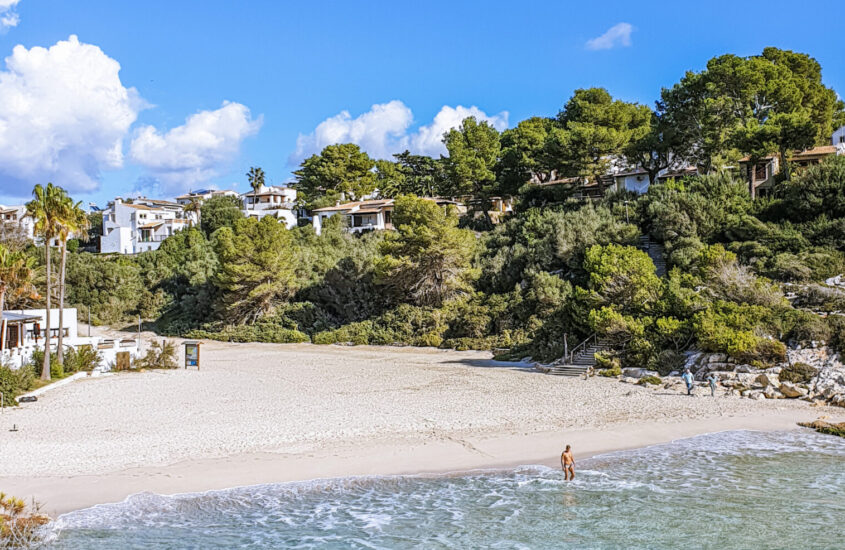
{"x":567,"y":463}
{"x":687,"y":377}
{"x":712,"y":380}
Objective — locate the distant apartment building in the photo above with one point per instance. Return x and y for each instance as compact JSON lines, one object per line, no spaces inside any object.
{"x":270,"y":200}
{"x":141,"y":225}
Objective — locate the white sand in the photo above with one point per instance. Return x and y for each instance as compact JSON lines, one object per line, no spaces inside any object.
{"x":260,"y":412}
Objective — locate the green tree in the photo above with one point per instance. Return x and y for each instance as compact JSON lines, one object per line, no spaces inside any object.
{"x":390,"y":178}
{"x":525,"y":154}
{"x":657,"y":149}
{"x":255,"y":177}
{"x":424,"y":176}
{"x":594,"y":127}
{"x":46,"y":210}
{"x":338,"y":169}
{"x":473,"y":153}
{"x":815,"y":191}
{"x":621,"y":277}
{"x":16,"y":274}
{"x":758,"y":105}
{"x":73,"y":223}
{"x":427,"y":259}
{"x":257,"y":267}
{"x":220,"y":211}
{"x":183,"y":269}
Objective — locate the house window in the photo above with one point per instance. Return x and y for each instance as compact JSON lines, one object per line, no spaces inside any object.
{"x":842,"y":138}
{"x":388,"y":219}
{"x":760,"y":171}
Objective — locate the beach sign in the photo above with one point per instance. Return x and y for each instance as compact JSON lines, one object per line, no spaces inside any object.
{"x":192,"y":354}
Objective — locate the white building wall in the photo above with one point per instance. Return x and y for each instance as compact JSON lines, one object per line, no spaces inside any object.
{"x":107,"y":348}
{"x":839,"y":136}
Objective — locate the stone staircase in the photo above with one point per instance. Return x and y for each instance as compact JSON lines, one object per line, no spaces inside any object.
{"x":578,"y":363}
{"x":655,"y":252}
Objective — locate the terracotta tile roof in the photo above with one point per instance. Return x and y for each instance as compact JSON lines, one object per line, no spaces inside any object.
{"x":823,"y":150}
{"x":815,"y":151}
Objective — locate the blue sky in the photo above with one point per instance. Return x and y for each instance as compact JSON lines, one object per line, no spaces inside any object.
{"x":290,"y":69}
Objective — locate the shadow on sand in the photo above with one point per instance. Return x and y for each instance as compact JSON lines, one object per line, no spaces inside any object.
{"x":493,"y":364}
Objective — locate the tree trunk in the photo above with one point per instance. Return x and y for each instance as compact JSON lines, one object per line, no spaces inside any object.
{"x":60,"y":356}
{"x":785,"y":168}
{"x":45,"y":369}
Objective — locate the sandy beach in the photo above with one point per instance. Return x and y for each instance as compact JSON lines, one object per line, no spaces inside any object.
{"x":261,"y":413}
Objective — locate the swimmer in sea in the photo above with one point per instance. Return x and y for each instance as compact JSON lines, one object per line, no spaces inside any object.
{"x":567,"y":462}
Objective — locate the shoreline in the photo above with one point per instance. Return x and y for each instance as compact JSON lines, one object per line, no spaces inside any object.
{"x":414,"y":454}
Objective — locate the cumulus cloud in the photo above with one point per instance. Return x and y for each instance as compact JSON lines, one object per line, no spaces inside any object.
{"x":428,"y":140}
{"x":378,"y":131}
{"x":384,"y":130}
{"x":63,"y":115}
{"x":617,"y":35}
{"x":8,"y":16}
{"x":194,"y":152}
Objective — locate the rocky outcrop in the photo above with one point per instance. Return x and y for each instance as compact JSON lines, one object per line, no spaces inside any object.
{"x":826,"y":427}
{"x":827,"y":385}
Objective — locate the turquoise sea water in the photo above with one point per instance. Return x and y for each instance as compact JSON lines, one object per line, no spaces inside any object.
{"x":726,"y":490}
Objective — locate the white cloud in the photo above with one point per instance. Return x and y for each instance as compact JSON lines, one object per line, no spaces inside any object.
{"x":63,"y":116}
{"x":428,"y":140}
{"x":8,"y":16}
{"x":617,"y":35}
{"x":384,"y":130}
{"x":194,"y":152}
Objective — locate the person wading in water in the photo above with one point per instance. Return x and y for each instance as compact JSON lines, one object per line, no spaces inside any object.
{"x":567,"y":462}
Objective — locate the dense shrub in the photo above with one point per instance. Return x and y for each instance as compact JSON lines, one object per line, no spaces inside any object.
{"x":160,"y":355}
{"x":36,"y":363}
{"x":735,"y":329}
{"x":799,"y":373}
{"x":650,"y":380}
{"x":408,"y":325}
{"x":81,"y":358}
{"x":15,"y":382}
{"x":258,"y":332}
{"x":615,"y":370}
{"x":21,"y":526}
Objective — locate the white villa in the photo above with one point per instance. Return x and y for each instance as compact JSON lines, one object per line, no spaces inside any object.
{"x":17,"y":216}
{"x":366,"y":215}
{"x":131,"y":228}
{"x":838,"y":139}
{"x":22,"y":332}
{"x":271,"y":201}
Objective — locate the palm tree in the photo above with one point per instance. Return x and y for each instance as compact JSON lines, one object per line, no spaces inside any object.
{"x":194,"y":205}
{"x":45,"y":210}
{"x":15,"y":274}
{"x":256,"y":180}
{"x":74,"y":223}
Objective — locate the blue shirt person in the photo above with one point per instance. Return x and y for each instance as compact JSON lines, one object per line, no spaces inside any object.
{"x":687,"y":377}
